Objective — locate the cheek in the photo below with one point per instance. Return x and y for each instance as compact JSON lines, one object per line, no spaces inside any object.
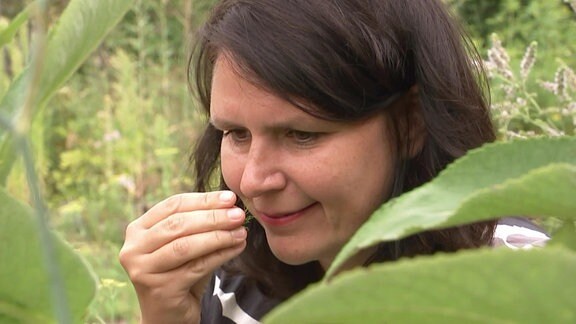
{"x":231,"y":169}
{"x":374,"y":177}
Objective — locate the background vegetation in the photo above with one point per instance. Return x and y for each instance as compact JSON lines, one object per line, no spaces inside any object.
{"x":115,"y":139}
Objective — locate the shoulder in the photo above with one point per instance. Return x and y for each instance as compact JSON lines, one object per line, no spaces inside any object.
{"x":519,"y":233}
{"x":233,"y":299}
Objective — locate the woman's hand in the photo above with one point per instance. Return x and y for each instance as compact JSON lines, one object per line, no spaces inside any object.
{"x":170,"y":252}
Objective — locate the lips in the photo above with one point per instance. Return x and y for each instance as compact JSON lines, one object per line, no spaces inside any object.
{"x":278,"y":219}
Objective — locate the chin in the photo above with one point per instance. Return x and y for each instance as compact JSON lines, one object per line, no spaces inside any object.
{"x":293,"y":258}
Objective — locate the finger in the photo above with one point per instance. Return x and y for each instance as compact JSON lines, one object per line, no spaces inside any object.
{"x":188,"y":223}
{"x":188,"y":248}
{"x":196,"y":270}
{"x":187,"y":202}
{"x":192,"y":276}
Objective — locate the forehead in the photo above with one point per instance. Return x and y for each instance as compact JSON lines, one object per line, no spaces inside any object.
{"x":230,"y":88}
{"x":229,"y":78}
{"x":234,"y":98}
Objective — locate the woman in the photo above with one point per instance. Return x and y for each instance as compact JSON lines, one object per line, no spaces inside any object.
{"x":319,"y":111}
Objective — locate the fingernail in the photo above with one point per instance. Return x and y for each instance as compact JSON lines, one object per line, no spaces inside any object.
{"x":235,"y":214}
{"x":226,"y":196}
{"x":239,"y":233}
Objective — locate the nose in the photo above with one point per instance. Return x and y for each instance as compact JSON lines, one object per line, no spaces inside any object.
{"x":262,"y":171}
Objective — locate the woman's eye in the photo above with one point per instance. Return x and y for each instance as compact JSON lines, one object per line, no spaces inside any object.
{"x":237,"y":135}
{"x":302,"y":137}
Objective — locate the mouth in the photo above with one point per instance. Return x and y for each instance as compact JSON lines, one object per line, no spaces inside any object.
{"x":278,"y":219}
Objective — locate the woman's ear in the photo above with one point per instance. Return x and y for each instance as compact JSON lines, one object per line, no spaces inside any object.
{"x":412,"y":127}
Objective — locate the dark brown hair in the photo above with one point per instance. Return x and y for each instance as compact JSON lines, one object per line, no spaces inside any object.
{"x":348,"y":59}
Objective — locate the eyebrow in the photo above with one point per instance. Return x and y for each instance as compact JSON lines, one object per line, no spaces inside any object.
{"x":221,"y":124}
{"x":284,"y":124}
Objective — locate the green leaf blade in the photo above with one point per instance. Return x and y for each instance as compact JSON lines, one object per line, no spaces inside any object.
{"x":79,"y":31}
{"x":24,"y":283}
{"x":481,"y":286}
{"x":545,"y":191}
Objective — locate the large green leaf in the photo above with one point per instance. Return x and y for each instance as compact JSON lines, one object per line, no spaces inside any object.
{"x":81,"y":28}
{"x":24,"y":285}
{"x":535,"y":177}
{"x":485,"y":286}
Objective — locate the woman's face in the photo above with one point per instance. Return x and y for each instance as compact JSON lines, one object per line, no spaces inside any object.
{"x":309,"y":182}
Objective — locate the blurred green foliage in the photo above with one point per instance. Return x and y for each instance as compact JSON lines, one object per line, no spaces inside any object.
{"x":520,"y":22}
{"x":116,"y":138}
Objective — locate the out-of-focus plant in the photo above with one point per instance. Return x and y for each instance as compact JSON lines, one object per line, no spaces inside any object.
{"x":43,"y":280}
{"x":518,"y":22}
{"x":135,"y":156}
{"x":115,"y":139}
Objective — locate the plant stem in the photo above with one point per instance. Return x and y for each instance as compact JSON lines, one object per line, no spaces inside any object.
{"x":49,"y":252}
{"x":19,"y":128}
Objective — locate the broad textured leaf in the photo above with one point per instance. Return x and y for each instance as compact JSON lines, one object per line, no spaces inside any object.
{"x":485,"y":286}
{"x":535,"y":177}
{"x":81,"y":28}
{"x":24,"y":287}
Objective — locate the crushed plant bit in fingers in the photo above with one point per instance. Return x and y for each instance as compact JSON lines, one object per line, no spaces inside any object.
{"x":249,"y":217}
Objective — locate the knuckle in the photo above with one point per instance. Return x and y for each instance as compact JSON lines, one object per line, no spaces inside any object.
{"x":172,"y":204}
{"x":130,"y":228}
{"x":173,"y":223}
{"x":223,"y":238}
{"x":218,"y":236}
{"x":198,"y":266}
{"x":134,"y":272}
{"x":206,"y":200}
{"x":126,"y":255}
{"x":180,"y":246}
{"x":137,"y":276}
{"x":123,"y":257}
{"x":211,"y":218}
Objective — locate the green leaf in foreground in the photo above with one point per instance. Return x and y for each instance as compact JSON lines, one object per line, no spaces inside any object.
{"x":535,"y":177}
{"x":24,"y":287}
{"x":482,"y":286}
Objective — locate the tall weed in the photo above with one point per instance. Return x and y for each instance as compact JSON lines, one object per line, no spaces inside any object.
{"x":526,"y":106}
